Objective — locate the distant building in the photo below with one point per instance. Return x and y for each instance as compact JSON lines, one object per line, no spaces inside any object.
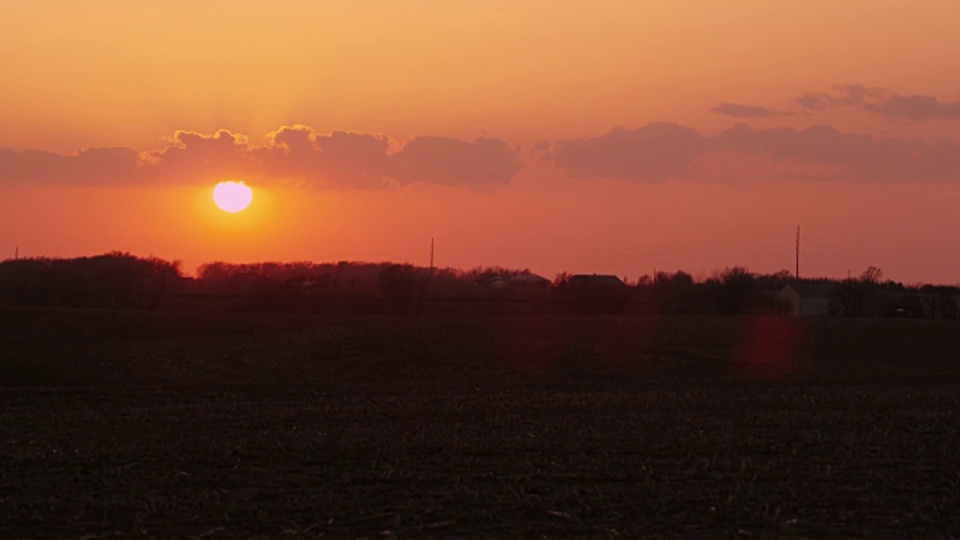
{"x":808,"y":298}
{"x":592,"y":294}
{"x":598,"y":281}
{"x":501,"y":280}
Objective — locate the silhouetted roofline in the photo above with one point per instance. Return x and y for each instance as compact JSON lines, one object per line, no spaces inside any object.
{"x":812,"y":290}
{"x":606,"y":280}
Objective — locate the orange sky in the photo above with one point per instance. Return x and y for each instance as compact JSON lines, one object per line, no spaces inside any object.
{"x":588,"y":137}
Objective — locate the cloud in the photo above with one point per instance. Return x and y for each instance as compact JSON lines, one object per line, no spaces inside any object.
{"x":915,"y":107}
{"x":879,"y":101}
{"x":651,"y":153}
{"x":93,"y":166}
{"x":659,"y":152}
{"x":337,"y":160}
{"x":852,"y":157}
{"x":841,"y":95}
{"x":440,"y":160}
{"x":192,"y":156}
{"x":747,"y":111}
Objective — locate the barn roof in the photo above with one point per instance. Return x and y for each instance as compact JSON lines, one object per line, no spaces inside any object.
{"x":596,"y":280}
{"x":501,"y":279}
{"x":813,"y":290}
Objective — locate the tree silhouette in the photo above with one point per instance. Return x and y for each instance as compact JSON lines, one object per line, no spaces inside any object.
{"x":735,"y":291}
{"x":403,"y":286}
{"x":853,"y":297}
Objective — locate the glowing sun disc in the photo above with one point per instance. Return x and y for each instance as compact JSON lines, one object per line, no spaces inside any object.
{"x":232,"y":197}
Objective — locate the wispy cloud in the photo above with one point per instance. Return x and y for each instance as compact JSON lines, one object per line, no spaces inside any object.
{"x":841,"y":95}
{"x":747,"y":111}
{"x":915,"y":107}
{"x":880,"y":101}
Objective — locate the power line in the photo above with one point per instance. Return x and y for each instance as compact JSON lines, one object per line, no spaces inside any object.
{"x":663,"y":248}
{"x":919,"y":251}
{"x":835,"y":239}
{"x":887,"y":256}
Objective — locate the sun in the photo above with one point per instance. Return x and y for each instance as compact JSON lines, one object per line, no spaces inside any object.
{"x":232,"y":196}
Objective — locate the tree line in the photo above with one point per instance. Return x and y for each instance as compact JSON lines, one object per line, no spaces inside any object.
{"x":111,"y":280}
{"x":121,"y":280}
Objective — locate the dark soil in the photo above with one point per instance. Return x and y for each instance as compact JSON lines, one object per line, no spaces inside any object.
{"x":184,"y":425}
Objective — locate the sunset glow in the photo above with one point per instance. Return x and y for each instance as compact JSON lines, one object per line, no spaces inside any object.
{"x":490,"y":268}
{"x":621,"y":137}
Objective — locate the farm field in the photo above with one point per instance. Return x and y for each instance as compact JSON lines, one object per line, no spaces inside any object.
{"x":223,"y":425}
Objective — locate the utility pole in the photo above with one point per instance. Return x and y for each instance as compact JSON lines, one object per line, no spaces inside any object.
{"x":798,"y":253}
{"x":426,"y":282}
{"x":16,"y":253}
